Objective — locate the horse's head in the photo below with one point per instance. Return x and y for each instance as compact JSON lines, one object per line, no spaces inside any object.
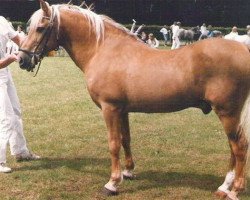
{"x":42,"y":37}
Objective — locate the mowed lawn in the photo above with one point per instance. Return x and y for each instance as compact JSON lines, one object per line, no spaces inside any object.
{"x":181,"y":155}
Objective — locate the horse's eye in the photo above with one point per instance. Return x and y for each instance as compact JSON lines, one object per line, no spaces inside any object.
{"x":40,"y":29}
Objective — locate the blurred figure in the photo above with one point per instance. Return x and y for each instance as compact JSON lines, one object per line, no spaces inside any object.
{"x":176,"y":40}
{"x":136,"y":32}
{"x":144,"y":37}
{"x":203,"y":31}
{"x":232,"y":34}
{"x":164,"y":32}
{"x":152,"y":41}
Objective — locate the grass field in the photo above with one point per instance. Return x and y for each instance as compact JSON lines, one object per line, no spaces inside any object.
{"x":178,"y":156}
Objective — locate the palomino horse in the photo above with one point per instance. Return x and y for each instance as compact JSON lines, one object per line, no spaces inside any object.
{"x":128,"y":76}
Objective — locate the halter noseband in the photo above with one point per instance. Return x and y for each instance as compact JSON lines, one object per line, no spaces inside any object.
{"x":36,"y":55}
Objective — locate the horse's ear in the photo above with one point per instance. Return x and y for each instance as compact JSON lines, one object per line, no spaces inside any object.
{"x":45,"y":7}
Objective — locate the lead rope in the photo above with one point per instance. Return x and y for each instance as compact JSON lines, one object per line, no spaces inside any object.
{"x":37,"y":69}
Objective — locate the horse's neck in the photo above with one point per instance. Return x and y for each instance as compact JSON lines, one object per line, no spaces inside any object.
{"x":76,"y":39}
{"x":81,"y":44}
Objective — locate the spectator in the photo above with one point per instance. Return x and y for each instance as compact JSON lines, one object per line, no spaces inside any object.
{"x":203,"y":31}
{"x":152,"y":41}
{"x":210,"y":31}
{"x":20,"y":30}
{"x":176,"y":40}
{"x":136,"y":32}
{"x":144,"y":37}
{"x":164,"y":32}
{"x":248,"y":30}
{"x":232,"y":34}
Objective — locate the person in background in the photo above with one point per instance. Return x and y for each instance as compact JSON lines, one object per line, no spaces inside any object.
{"x":136,"y":32}
{"x":11,"y":126}
{"x":20,"y":31}
{"x":210,"y":31}
{"x":152,"y":41}
{"x":164,"y":32}
{"x":204,"y":31}
{"x":248,"y":29}
{"x":232,"y":34}
{"x":176,"y":41}
{"x":143,"y":37}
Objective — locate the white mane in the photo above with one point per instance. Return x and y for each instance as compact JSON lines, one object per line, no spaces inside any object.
{"x":96,"y":21}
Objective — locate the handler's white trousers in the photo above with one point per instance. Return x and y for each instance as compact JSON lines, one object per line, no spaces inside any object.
{"x":11,"y":127}
{"x":176,"y":43}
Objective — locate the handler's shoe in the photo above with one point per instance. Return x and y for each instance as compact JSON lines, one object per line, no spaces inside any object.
{"x":27,"y":157}
{"x":4,"y":168}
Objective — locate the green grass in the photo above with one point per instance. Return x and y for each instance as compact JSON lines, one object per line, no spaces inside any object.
{"x":180,"y":155}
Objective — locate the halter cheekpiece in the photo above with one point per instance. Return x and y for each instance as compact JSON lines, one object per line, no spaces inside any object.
{"x":37,"y":55}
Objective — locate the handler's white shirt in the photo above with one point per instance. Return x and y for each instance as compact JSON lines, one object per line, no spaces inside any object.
{"x":7,"y":32}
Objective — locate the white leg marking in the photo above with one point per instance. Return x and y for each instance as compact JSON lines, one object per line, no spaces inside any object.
{"x":228,"y":182}
{"x":112,"y":185}
{"x":128,"y":173}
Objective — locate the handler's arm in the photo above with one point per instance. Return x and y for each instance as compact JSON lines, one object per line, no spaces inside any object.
{"x":18,"y":39}
{"x":7,"y":60}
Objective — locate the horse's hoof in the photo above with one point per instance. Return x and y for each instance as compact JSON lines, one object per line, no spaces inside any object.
{"x":232,"y":196}
{"x":129,"y":177}
{"x":108,"y":192}
{"x":220,"y":194}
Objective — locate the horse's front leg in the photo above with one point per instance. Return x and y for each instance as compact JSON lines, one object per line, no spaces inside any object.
{"x":129,"y":163}
{"x":113,"y":118}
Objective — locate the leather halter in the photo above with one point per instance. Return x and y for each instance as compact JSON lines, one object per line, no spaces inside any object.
{"x":37,"y":55}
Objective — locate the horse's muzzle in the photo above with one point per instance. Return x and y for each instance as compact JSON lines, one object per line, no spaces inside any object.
{"x":28,"y":63}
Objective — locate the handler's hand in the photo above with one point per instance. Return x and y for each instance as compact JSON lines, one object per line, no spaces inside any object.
{"x":11,"y":58}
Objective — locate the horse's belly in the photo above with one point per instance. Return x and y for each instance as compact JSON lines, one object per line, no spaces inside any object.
{"x":161,"y":106}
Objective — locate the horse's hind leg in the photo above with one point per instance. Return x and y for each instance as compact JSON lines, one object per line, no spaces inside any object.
{"x":239,"y":145}
{"x":224,"y":189}
{"x":129,"y":163}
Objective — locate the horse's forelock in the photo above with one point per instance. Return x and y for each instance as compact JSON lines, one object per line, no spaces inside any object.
{"x":35,"y":19}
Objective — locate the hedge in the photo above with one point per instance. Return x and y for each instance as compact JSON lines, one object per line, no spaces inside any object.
{"x":155,"y":29}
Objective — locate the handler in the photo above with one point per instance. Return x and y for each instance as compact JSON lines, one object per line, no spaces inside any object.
{"x":11,"y":127}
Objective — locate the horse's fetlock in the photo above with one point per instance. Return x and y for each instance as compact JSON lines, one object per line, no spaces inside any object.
{"x":239,"y":184}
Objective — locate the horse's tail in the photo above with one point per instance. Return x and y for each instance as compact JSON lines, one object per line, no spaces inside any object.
{"x":245,"y":124}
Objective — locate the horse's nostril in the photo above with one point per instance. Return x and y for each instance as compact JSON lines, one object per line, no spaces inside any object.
{"x":20,"y":61}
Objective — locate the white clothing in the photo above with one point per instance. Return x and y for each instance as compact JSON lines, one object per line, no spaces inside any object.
{"x":175,"y":31}
{"x":203,"y":30}
{"x":11,"y":128}
{"x":245,"y":39}
{"x":11,"y":47}
{"x":231,"y":36}
{"x":153,"y":43}
{"x":176,"y":41}
{"x":164,"y":31}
